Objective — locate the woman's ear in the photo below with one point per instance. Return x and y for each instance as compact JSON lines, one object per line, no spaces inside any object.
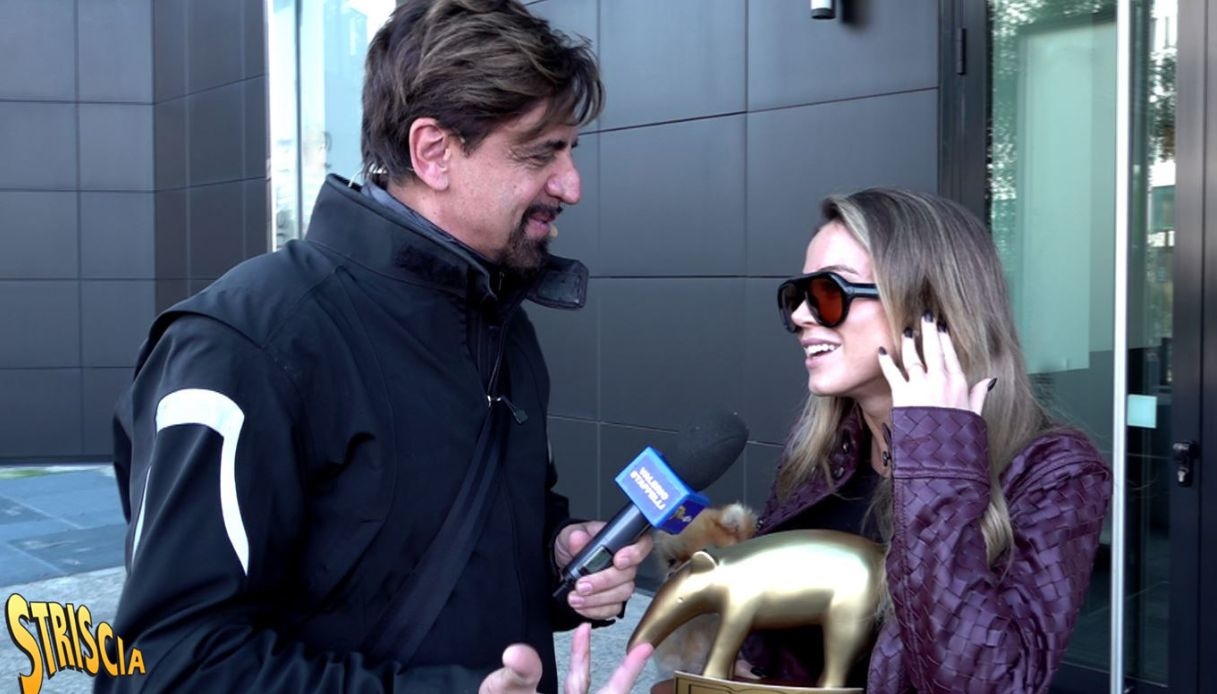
{"x":431,"y":152}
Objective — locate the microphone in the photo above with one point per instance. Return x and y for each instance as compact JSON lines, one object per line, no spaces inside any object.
{"x":662,"y":493}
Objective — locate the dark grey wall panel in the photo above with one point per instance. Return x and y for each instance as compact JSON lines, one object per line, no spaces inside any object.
{"x":671,"y":60}
{"x":571,"y":343}
{"x":576,"y":451}
{"x":169,"y":121}
{"x":215,"y":123}
{"x":172,"y":246}
{"x":47,"y":314}
{"x":670,"y":348}
{"x":254,"y":51}
{"x":116,"y":236}
{"x":37,"y":145}
{"x":215,"y":38}
{"x":775,"y":380}
{"x":38,"y":238}
{"x":39,"y":413}
{"x":169,"y":48}
{"x":256,"y":127}
{"x":217,"y":236}
{"x":579,"y":225}
{"x":672,"y":199}
{"x":760,"y":463}
{"x":797,"y":156}
{"x":115,"y":50}
{"x":41,"y":33}
{"x":872,"y":48}
{"x":116,"y":147}
{"x":114,"y":319}
{"x":257,"y":217}
{"x":101,"y":389}
{"x":169,"y":292}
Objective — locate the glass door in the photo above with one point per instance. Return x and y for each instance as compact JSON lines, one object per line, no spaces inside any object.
{"x":1055,"y":120}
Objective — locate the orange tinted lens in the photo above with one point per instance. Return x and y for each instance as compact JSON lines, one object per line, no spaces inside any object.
{"x":828,"y":300}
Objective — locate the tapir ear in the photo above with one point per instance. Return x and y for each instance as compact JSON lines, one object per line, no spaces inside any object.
{"x":702,"y":561}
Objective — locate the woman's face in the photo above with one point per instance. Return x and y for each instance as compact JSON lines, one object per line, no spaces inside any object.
{"x":844,"y":361}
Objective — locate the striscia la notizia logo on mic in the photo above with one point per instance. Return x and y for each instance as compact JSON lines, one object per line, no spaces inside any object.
{"x":58,"y":637}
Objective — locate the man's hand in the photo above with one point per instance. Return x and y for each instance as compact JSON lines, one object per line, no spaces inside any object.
{"x":521,"y":669}
{"x":600,"y":595}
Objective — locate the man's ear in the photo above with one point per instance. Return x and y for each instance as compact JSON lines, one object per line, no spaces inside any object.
{"x":431,"y":149}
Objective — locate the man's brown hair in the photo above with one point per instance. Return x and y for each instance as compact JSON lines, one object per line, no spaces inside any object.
{"x":472,"y":65}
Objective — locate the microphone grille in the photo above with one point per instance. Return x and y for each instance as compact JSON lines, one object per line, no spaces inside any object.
{"x":707,"y":447}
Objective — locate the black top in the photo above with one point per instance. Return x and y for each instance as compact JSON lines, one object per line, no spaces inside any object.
{"x":848,"y":509}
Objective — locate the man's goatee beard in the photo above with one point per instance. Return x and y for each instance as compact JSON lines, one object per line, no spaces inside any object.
{"x":525,"y":256}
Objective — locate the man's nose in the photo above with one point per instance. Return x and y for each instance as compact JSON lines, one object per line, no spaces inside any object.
{"x":566,"y":185}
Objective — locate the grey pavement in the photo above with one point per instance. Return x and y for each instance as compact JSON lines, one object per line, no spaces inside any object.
{"x":61,"y":540}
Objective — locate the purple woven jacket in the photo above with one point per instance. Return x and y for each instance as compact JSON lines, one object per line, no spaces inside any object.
{"x":960,"y":626}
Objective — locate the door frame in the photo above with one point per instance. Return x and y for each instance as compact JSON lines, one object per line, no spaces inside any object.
{"x":964,"y":118}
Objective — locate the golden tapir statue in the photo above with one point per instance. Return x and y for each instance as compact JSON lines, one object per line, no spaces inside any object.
{"x":787,"y":579}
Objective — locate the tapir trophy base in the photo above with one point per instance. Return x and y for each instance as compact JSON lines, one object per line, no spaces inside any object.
{"x":685,"y":683}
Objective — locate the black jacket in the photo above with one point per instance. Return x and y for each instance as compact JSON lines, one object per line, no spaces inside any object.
{"x":292,"y":440}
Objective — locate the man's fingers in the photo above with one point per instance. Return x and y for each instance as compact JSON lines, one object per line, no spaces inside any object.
{"x":615,"y":594}
{"x":579,"y":673}
{"x":520,"y":673}
{"x":577,"y":540}
{"x":634,"y":554}
{"x":627,"y":673}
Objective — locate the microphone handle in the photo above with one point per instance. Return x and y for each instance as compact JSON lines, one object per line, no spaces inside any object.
{"x":623,"y":530}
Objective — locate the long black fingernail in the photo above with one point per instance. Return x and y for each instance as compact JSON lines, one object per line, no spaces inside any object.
{"x":928,"y":317}
{"x":942,"y":326}
{"x":908,"y":332}
{"x":992,"y":383}
{"x":882,"y":351}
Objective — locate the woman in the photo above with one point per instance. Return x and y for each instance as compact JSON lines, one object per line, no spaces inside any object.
{"x":921,"y":431}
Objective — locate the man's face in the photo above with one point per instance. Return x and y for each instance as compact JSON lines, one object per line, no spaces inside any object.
{"x":508,"y":191}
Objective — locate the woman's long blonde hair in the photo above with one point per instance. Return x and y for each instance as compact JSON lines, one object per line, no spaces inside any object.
{"x":930,"y":254}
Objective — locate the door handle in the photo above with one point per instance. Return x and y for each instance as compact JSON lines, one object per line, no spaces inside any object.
{"x":1185,"y":454}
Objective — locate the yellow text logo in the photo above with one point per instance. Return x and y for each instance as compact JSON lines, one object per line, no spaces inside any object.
{"x":63,"y":637}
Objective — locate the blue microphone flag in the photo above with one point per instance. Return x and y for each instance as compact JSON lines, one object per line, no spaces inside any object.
{"x":666,"y":502}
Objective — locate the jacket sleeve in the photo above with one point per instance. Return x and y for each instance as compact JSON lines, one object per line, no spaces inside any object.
{"x":213,"y":440}
{"x":963,"y":625}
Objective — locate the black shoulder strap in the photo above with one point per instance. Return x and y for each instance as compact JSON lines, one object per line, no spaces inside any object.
{"x":415,"y":606}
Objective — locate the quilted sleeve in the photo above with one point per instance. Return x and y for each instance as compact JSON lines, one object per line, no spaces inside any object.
{"x":963,"y":625}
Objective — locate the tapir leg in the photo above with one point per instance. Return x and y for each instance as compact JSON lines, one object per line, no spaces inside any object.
{"x":732,"y":629}
{"x":844,"y":638}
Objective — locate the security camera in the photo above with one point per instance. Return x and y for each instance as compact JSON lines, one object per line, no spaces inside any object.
{"x":823,"y":9}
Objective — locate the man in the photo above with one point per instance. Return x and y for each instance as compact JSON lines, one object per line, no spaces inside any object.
{"x":300,"y":437}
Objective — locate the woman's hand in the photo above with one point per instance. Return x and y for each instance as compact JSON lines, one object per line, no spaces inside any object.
{"x":939,"y":381}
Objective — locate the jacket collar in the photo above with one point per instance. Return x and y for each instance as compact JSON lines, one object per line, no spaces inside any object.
{"x":842,"y":462}
{"x":377,"y":231}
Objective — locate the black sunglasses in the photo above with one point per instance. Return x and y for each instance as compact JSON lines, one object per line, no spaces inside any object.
{"x":827,"y":294}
